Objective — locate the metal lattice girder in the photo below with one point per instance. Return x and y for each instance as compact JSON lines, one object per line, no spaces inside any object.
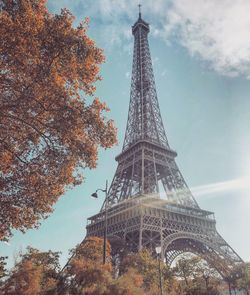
{"x":146,"y":171}
{"x":147,"y":163}
{"x":144,"y":119}
{"x":143,"y":169}
{"x":147,"y":222}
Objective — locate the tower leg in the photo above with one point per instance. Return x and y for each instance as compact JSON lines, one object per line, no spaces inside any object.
{"x":140,"y":234}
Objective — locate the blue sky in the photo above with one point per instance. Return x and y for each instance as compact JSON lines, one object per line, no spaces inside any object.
{"x":201,"y":58}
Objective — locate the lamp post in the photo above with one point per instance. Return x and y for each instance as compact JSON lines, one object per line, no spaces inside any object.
{"x":231,"y":280}
{"x":95,"y":195}
{"x":158,"y":252}
{"x":206,"y":278}
{"x":229,"y":288}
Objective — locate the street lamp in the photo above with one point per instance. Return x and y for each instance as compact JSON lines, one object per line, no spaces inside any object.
{"x":231,"y":280}
{"x":158,"y":252}
{"x":95,"y":195}
{"x":206,"y":278}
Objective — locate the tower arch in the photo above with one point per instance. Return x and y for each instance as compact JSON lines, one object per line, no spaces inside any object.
{"x":223,"y":259}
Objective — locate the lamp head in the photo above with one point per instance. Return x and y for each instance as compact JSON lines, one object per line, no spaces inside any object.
{"x":158,"y":250}
{"x":94,"y":195}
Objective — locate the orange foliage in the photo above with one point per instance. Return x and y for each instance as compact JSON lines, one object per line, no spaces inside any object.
{"x":147,"y":266}
{"x":128,"y":284}
{"x":48,"y":132}
{"x":86,"y":273}
{"x":35,"y":273}
{"x":26,"y":281}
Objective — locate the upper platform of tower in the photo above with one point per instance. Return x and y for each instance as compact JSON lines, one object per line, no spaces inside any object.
{"x":140,"y":23}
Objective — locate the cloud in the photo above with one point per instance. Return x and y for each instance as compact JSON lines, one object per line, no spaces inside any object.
{"x":241,"y":186}
{"x":164,"y":73}
{"x":127,"y":75}
{"x":211,"y":190}
{"x":217,"y":32}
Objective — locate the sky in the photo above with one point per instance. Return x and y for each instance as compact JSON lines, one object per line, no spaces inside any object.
{"x":201,"y":59}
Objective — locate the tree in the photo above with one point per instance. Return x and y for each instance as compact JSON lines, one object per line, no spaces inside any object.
{"x":147,"y":266}
{"x":49,"y":131}
{"x":244,"y":282}
{"x":130,"y":283}
{"x":2,"y":267}
{"x":186,"y":268}
{"x":3,"y":272}
{"x":198,"y":277}
{"x":35,"y":273}
{"x":240,"y":277}
{"x":85,"y":272}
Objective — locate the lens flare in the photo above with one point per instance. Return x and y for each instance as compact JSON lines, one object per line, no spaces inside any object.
{"x":242,"y":184}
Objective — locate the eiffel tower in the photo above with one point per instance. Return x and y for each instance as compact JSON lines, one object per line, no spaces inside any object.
{"x":149,"y":203}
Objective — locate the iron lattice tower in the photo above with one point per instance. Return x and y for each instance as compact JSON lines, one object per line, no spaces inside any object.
{"x":149,"y":202}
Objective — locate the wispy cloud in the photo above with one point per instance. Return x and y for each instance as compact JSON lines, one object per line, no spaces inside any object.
{"x":127,"y":75}
{"x":164,"y":73}
{"x":240,"y":184}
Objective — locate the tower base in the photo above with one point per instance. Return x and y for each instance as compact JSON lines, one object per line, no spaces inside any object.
{"x":147,"y":221}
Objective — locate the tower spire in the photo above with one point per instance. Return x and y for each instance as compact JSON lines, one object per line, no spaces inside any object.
{"x":139,"y":6}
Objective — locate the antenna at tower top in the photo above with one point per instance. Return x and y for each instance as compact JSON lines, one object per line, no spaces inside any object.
{"x":139,"y":10}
